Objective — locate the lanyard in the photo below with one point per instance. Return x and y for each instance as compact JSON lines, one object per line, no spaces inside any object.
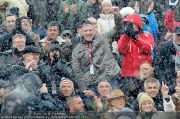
{"x":90,"y":52}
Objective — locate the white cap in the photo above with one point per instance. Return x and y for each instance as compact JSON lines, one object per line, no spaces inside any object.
{"x":107,"y":2}
{"x":125,"y":11}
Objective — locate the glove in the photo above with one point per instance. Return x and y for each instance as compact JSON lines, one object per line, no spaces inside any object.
{"x":172,"y":7}
{"x":55,"y":60}
{"x":129,"y":30}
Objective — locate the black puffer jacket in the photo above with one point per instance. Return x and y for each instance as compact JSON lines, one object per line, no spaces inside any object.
{"x":164,"y":64}
{"x":53,"y":74}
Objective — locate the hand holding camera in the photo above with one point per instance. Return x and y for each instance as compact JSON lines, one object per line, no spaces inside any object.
{"x":130,"y":32}
{"x":55,"y":58}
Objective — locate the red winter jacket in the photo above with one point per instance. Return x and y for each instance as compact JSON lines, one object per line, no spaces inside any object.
{"x":135,"y":53}
{"x":169,"y":21}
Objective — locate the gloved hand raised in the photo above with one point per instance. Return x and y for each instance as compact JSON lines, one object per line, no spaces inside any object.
{"x":130,"y":32}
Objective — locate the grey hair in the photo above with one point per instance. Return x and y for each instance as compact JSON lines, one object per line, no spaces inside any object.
{"x":18,"y":36}
{"x":151,"y":80}
{"x":70,"y":99}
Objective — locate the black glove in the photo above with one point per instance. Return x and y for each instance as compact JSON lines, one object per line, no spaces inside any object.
{"x":173,"y":7}
{"x":129,"y":31}
{"x":55,"y":59}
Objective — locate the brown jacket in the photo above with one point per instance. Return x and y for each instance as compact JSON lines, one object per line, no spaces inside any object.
{"x":176,"y":102}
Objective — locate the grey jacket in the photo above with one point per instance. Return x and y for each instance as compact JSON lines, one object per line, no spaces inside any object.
{"x":105,"y":66}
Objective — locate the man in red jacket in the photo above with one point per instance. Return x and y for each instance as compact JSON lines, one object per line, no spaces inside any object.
{"x":136,"y":47}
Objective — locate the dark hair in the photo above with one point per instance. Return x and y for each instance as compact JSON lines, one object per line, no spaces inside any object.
{"x":25,"y":17}
{"x":54,"y":23}
{"x":10,"y":14}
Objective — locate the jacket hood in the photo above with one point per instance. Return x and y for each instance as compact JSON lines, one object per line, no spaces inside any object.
{"x":135,"y":19}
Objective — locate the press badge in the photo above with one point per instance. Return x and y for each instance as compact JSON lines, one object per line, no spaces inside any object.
{"x":91,"y":69}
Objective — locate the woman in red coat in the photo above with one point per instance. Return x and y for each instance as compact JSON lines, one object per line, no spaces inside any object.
{"x":136,"y":47}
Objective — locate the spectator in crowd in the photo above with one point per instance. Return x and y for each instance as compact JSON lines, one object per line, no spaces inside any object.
{"x":4,"y":90}
{"x":92,"y":64}
{"x":10,"y":20}
{"x":151,"y":87}
{"x":164,"y":64}
{"x":29,"y":63}
{"x":145,"y":23}
{"x":91,"y":103}
{"x":53,"y":33}
{"x":27,"y":27}
{"x":75,"y":105}
{"x":66,"y":89}
{"x":148,"y":110}
{"x":171,"y":102}
{"x":67,"y":47}
{"x":146,"y":71}
{"x":116,"y":101}
{"x":13,"y":27}
{"x":106,"y":17}
{"x":150,"y":25}
{"x":15,"y":54}
{"x":136,"y":47}
{"x":54,"y":69}
{"x":146,"y":104}
{"x":167,"y":99}
{"x":70,"y":13}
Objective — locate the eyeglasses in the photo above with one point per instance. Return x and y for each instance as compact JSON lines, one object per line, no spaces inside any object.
{"x":19,"y":42}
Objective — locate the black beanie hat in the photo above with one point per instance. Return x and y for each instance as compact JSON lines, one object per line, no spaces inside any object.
{"x":31,"y":49}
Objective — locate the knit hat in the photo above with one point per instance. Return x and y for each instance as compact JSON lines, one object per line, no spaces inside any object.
{"x":143,"y":97}
{"x":65,"y":81}
{"x":31,"y":49}
{"x":125,"y":11}
{"x":107,"y":2}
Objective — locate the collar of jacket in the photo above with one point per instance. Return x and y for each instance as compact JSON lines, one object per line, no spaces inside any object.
{"x":107,"y":16}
